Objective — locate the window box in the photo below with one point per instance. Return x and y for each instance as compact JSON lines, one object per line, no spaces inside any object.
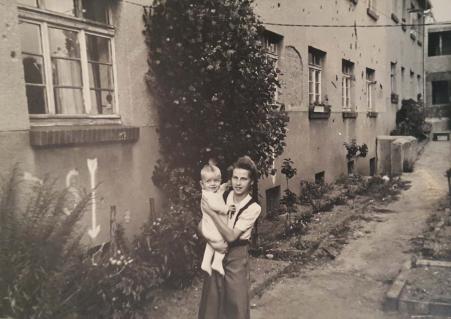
{"x":372,"y":114}
{"x":373,"y":15}
{"x":76,"y":135}
{"x":394,"y":98}
{"x":395,"y":18}
{"x":349,"y":114}
{"x":319,"y":111}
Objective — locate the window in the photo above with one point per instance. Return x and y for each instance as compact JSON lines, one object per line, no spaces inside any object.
{"x":370,"y":88}
{"x":273,"y":200}
{"x":393,"y":83}
{"x":441,"y":92}
{"x":439,"y":43}
{"x":67,"y":57}
{"x":372,"y":166}
{"x":320,"y":177}
{"x":347,"y":68}
{"x":273,"y":45}
{"x":315,"y":61}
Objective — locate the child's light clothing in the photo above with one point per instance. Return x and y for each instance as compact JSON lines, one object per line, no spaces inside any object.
{"x":212,"y":257}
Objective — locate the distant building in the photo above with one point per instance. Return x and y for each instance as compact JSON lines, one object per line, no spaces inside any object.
{"x":438,"y":71}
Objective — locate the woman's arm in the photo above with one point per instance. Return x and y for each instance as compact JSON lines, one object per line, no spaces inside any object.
{"x":228,"y":233}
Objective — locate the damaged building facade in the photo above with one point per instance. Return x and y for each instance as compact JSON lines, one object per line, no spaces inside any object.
{"x":76,"y":106}
{"x":343,"y":77}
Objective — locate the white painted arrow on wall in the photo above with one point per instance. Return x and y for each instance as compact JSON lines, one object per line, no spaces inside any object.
{"x":95,"y":229}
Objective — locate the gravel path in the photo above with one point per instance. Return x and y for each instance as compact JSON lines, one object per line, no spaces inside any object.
{"x":353,"y":286}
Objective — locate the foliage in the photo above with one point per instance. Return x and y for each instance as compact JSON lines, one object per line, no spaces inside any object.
{"x":289,"y":200}
{"x":39,"y":250}
{"x":355,"y":150}
{"x":410,"y":120}
{"x":45,"y":271}
{"x":170,"y":244}
{"x":116,"y":283}
{"x":215,"y":88}
{"x":313,"y":194}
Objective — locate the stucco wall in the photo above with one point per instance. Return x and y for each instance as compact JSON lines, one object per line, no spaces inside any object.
{"x":124,"y":169}
{"x":317,"y":145}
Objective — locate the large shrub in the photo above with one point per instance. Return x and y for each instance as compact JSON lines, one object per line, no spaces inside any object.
{"x":214,"y":86}
{"x":410,"y":120}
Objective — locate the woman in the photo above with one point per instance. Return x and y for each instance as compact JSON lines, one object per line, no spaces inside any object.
{"x":227,"y":297}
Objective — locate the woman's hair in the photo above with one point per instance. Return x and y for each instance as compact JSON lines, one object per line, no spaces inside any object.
{"x":245,"y":162}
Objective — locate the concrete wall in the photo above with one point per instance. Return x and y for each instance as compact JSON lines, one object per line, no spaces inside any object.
{"x":317,"y":145}
{"x":124,"y":169}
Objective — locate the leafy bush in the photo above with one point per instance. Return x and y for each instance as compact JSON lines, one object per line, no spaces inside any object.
{"x":354,"y":150}
{"x":313,"y":194}
{"x":410,"y":120}
{"x":39,"y":251}
{"x":46,"y":273}
{"x":171,"y":245}
{"x":289,"y":200}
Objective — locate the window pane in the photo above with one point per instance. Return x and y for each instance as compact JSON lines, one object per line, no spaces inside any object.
{"x":100,"y":76}
{"x":62,"y":6}
{"x":317,"y":76}
{"x":36,"y":99}
{"x":440,"y":94}
{"x":66,"y":72}
{"x":33,"y":69}
{"x":95,"y":10}
{"x":98,"y":49}
{"x":102,"y":102}
{"x":64,"y":43}
{"x":28,"y":2}
{"x":68,"y":101}
{"x":30,"y":38}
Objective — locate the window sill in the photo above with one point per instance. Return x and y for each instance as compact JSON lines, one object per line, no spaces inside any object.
{"x":349,"y":114}
{"x":394,"y":98}
{"x":372,"y":114}
{"x":44,"y":136}
{"x":373,"y":15}
{"x":395,"y":18}
{"x":319,"y":112}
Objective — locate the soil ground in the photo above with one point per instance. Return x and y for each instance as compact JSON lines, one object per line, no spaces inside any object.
{"x":354,"y":284}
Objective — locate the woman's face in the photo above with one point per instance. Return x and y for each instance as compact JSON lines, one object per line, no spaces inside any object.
{"x":241,"y":181}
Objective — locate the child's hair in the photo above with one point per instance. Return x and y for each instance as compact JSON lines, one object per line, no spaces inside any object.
{"x":245,"y":162}
{"x":210,"y":168}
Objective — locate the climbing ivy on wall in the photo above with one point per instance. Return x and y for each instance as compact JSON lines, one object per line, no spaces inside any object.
{"x":214,"y":86}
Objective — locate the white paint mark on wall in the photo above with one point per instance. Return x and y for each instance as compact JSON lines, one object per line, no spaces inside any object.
{"x":72,"y":191}
{"x":92,"y":167}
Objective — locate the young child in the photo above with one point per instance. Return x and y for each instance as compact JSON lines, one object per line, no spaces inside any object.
{"x":216,"y":245}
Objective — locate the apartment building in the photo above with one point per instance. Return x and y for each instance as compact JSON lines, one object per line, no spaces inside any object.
{"x":345,"y":66}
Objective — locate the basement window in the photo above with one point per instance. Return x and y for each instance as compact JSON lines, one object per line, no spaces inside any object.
{"x":320,"y":177}
{"x":273,"y":200}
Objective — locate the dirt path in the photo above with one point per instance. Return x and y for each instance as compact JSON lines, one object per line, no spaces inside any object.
{"x":353,"y":286}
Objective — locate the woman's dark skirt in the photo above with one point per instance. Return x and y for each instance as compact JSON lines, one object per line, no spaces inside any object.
{"x":227,"y":297}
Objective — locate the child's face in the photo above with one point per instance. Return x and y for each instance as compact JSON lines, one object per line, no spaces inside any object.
{"x":211,"y":181}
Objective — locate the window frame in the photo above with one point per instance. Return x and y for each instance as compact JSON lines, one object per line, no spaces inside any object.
{"x":47,"y":19}
{"x":370,"y":87}
{"x":315,"y":69}
{"x":347,"y":68}
{"x":273,"y":43}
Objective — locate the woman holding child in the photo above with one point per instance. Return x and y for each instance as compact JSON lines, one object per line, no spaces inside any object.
{"x":226,"y":296}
